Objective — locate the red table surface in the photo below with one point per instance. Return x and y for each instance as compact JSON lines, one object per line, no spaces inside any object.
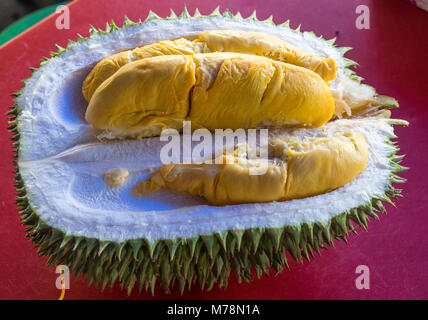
{"x":392,"y":57}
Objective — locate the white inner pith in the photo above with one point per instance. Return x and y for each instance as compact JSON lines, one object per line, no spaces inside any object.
{"x":63,"y":164}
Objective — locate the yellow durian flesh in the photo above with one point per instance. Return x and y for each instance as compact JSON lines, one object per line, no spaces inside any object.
{"x":319,"y":165}
{"x":299,"y":169}
{"x":108,"y":66}
{"x":210,"y":41}
{"x":144,"y":96}
{"x":265,"y":45}
{"x":102,"y":71}
{"x":220,"y":184}
{"x":230,"y":90}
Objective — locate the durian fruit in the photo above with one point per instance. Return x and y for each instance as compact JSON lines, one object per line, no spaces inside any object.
{"x":212,"y":90}
{"x":105,"y":234}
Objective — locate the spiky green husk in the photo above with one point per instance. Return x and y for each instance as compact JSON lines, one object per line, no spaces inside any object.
{"x":207,"y":259}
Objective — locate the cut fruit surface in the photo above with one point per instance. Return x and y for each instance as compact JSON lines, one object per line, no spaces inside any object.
{"x":103,"y":232}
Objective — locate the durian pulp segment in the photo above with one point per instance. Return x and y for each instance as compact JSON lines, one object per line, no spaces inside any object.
{"x":268,"y":46}
{"x":108,"y":66}
{"x":116,"y":177}
{"x":213,"y":90}
{"x":300,"y":169}
{"x":211,"y":41}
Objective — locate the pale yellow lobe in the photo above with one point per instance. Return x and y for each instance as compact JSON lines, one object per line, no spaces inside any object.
{"x":299,"y":169}
{"x":210,"y":41}
{"x":229,"y":90}
{"x":108,"y":66}
{"x":268,"y":46}
{"x":144,"y":97}
{"x":295,"y":97}
{"x":320,"y":165}
{"x":116,"y":177}
{"x":220,"y":184}
{"x":213,"y":90}
{"x":102,"y":71}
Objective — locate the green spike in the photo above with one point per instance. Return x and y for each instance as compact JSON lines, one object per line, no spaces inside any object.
{"x":269,"y":20}
{"x":55,"y":236}
{"x":192,"y":245}
{"x":165,"y":278}
{"x":197,"y":14}
{"x":216,"y":12}
{"x":103,"y":246}
{"x":185,"y":13}
{"x":209,"y":243}
{"x":119,"y":249}
{"x":343,"y":50}
{"x":107,"y":28}
{"x":386,"y":101}
{"x":67,"y":238}
{"x":285,"y":24}
{"x":127,"y":22}
{"x":255,"y":236}
{"x":91,"y":243}
{"x":92,"y":30}
{"x":172,"y":14}
{"x":399,"y":169}
{"x":238,"y":235}
{"x":222,"y":238}
{"x":152,"y":16}
{"x":113,"y":26}
{"x":136,"y":246}
{"x":227,"y":14}
{"x":331,"y":41}
{"x":350,"y":63}
{"x":77,"y":242}
{"x":175,"y":245}
{"x":153,"y":284}
{"x":253,"y":16}
{"x":59,"y":48}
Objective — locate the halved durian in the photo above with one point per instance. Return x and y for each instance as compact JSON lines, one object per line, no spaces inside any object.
{"x":108,"y":235}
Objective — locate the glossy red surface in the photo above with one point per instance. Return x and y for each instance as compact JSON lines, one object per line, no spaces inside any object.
{"x":392,"y":55}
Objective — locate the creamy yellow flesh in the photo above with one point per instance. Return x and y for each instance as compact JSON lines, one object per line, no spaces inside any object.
{"x":211,"y":41}
{"x":268,"y":46}
{"x":213,"y":90}
{"x":299,"y":169}
{"x":116,"y":177}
